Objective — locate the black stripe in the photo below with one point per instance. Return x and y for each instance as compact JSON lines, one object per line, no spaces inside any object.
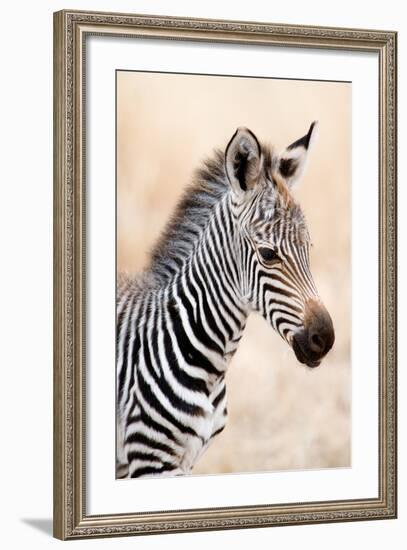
{"x":134,"y":359}
{"x":153,"y":425}
{"x":143,"y":455}
{"x":190,"y":382}
{"x":196,"y":325}
{"x":119,"y":324}
{"x":219,"y":397}
{"x":123,"y":371}
{"x":176,"y":401}
{"x":191,"y":355}
{"x":152,"y":400}
{"x":277,"y":290}
{"x":220,"y":293}
{"x":132,"y":419}
{"x":166,"y":467}
{"x":229,"y":246}
{"x":285,"y":332}
{"x":216,"y":432}
{"x":295,"y":308}
{"x":141,"y":439}
{"x":205,"y":306}
{"x":229,"y":268}
{"x":281,"y":320}
{"x":277,"y":322}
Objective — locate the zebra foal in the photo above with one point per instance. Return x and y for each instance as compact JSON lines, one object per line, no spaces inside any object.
{"x":237,"y":242}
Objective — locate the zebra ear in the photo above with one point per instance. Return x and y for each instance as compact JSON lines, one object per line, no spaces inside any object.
{"x":292,"y":161}
{"x":243,"y":160}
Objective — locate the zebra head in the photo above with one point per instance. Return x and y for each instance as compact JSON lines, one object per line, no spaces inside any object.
{"x":273,"y":243}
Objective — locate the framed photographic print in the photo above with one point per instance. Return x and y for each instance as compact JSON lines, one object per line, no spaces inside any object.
{"x":225,"y":274}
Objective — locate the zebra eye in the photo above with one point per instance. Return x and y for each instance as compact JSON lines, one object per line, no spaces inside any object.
{"x":268,"y":255}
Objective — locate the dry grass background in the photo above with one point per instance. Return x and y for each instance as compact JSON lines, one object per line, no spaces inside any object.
{"x":282,"y":415}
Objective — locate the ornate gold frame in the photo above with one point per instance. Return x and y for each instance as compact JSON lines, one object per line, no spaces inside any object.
{"x":70,"y":518}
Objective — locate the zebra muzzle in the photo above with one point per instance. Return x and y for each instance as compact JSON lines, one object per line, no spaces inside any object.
{"x":316,"y":338}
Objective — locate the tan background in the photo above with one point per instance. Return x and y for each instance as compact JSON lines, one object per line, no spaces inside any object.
{"x":282,"y":415}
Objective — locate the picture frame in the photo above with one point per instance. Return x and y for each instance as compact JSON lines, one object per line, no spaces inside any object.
{"x":72,"y":30}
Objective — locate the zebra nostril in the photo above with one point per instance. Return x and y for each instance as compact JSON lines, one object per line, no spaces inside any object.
{"x":317,"y":343}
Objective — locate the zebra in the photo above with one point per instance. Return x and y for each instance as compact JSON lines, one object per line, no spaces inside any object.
{"x":237,"y":243}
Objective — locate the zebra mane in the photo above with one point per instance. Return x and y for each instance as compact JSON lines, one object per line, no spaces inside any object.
{"x":190,"y":217}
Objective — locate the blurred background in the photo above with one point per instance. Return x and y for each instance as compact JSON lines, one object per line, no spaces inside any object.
{"x":282,"y":415}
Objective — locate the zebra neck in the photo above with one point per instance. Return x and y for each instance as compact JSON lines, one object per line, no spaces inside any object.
{"x":204,"y":301}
